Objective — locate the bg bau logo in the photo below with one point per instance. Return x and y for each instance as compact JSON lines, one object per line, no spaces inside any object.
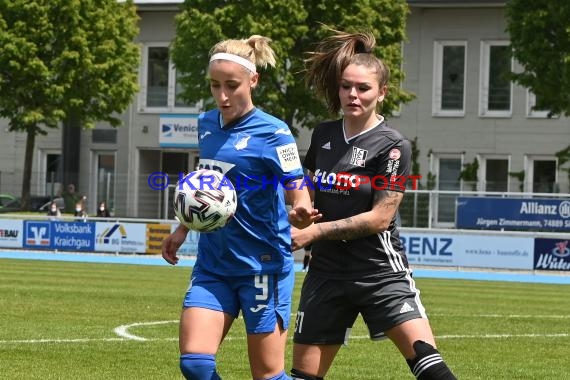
{"x":106,"y":237}
{"x":434,"y":246}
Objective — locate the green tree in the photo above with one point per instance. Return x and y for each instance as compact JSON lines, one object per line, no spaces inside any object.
{"x":65,"y":61}
{"x":540,"y":40}
{"x":294,"y":26}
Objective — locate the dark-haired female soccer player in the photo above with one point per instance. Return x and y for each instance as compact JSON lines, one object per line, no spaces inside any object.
{"x":358,"y":265}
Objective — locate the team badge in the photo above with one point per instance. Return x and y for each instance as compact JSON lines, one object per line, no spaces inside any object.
{"x":395,"y":154}
{"x":358,"y":156}
{"x":241,"y":141}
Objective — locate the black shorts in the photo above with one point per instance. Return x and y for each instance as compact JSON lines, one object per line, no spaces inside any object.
{"x":328,"y":308}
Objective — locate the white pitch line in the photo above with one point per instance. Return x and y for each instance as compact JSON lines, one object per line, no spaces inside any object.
{"x":357,"y":337}
{"x":122,"y":331}
{"x":79,"y":340}
{"x":124,"y":335}
{"x":501,"y":336}
{"x":502,"y":316}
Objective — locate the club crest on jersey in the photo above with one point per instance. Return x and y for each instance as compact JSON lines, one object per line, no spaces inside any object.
{"x":358,"y":156}
{"x":394,"y":154}
{"x":241,"y":141}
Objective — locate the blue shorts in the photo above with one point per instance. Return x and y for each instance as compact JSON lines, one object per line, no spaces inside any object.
{"x":262,"y":298}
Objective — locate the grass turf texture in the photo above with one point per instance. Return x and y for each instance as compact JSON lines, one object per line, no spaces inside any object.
{"x":57,"y":321}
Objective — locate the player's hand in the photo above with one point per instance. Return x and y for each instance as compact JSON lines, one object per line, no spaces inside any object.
{"x":301,"y":217}
{"x":302,"y":237}
{"x":171,"y":244}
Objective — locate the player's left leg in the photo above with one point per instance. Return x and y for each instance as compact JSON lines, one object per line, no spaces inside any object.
{"x":266,"y":307}
{"x":392,"y":308}
{"x":267,"y":354}
{"x":428,"y":364}
{"x":415,"y":341}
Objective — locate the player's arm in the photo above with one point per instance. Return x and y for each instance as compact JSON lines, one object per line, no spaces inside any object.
{"x":378,"y":219}
{"x":385,"y":204}
{"x":304,"y":183}
{"x":172,"y":242}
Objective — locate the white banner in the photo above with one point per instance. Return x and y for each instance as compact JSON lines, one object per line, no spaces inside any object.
{"x":480,"y":250}
{"x":11,"y":232}
{"x":180,"y":131}
{"x":120,"y":237}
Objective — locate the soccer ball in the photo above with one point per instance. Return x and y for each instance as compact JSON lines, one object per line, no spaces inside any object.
{"x":204,"y":200}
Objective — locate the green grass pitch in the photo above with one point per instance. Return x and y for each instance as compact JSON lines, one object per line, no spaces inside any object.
{"x":58,"y":321}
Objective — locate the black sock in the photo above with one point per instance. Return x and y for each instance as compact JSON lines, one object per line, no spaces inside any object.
{"x":428,"y":363}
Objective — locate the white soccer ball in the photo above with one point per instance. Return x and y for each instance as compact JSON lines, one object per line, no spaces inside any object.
{"x":204,"y":200}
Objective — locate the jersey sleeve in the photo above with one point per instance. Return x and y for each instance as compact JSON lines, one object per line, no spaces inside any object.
{"x":310,"y":157}
{"x":282,"y":156}
{"x":396,"y":166}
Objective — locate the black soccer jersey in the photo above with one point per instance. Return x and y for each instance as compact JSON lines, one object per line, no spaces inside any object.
{"x":346,"y":174}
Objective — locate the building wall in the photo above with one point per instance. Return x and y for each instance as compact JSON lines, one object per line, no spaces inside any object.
{"x":517,"y":136}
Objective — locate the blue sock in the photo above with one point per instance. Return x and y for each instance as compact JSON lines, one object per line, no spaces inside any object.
{"x":280,"y":376}
{"x":199,"y":367}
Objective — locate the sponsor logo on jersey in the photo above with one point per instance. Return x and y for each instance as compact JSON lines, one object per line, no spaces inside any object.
{"x":327,"y":146}
{"x":327,"y":181}
{"x":288,"y":157}
{"x":358,"y":157}
{"x":220,"y":166}
{"x":392,"y":167}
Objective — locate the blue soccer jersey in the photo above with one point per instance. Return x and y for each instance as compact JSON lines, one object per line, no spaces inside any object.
{"x":258,"y":154}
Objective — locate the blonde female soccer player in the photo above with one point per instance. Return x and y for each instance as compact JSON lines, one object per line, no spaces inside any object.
{"x":247,"y":266}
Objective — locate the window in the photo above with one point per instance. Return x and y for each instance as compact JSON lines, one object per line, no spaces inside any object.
{"x":543,"y":176}
{"x":179,"y":102}
{"x":495,"y":87}
{"x":105,"y":184}
{"x":449,"y":78}
{"x":160,"y":89}
{"x":496,"y":174}
{"x":448,"y":171}
{"x":52,"y":177}
{"x":531,"y":102}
